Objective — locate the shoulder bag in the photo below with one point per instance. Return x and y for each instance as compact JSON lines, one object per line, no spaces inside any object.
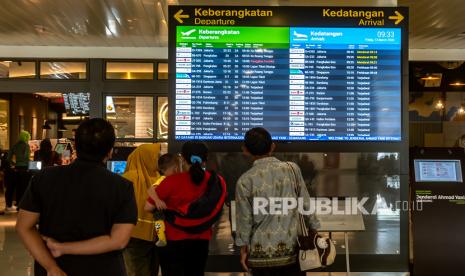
{"x":314,"y":250}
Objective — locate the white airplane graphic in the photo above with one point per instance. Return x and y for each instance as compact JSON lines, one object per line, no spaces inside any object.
{"x":188,"y":33}
{"x":296,"y":34}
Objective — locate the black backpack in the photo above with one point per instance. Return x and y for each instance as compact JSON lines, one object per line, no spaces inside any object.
{"x":210,"y":203}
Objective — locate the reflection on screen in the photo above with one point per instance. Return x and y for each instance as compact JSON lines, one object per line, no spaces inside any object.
{"x":59,"y":148}
{"x":35,"y":165}
{"x":300,"y":83}
{"x":117,"y":167}
{"x":438,"y":171}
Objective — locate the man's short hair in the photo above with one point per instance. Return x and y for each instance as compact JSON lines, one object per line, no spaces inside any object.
{"x":94,"y":139}
{"x":258,"y":141}
{"x":165,"y":162}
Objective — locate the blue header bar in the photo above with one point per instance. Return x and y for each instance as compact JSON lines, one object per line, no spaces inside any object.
{"x":356,"y":36}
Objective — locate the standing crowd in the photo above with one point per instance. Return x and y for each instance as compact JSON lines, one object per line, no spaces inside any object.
{"x":82,"y":219}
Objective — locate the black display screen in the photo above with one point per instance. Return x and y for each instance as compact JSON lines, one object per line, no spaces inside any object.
{"x":77,"y":103}
{"x":300,"y":83}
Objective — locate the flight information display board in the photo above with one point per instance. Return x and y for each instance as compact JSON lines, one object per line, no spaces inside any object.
{"x":77,"y":103}
{"x":301,"y":81}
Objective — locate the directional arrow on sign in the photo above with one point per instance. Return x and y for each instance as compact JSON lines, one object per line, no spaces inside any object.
{"x":179,"y":16}
{"x":398,"y":17}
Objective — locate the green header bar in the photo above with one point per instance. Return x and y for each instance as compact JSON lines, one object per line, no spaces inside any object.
{"x":264,"y":35}
{"x":233,"y":45}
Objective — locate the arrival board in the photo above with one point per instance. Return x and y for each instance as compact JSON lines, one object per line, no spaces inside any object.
{"x":77,"y":103}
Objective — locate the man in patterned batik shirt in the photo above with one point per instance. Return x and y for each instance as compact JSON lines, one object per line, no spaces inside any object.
{"x":268,"y":241}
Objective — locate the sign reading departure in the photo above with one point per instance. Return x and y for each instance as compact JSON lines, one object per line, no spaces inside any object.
{"x":308,"y":82}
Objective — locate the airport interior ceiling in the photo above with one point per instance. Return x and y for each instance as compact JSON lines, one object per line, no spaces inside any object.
{"x":434,"y":24}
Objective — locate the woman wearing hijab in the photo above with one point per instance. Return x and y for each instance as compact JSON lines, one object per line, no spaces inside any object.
{"x":141,"y":255}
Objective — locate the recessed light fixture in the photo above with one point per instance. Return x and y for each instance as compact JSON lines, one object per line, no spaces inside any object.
{"x":430,"y":78}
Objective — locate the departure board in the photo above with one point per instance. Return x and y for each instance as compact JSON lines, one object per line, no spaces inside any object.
{"x":77,"y":103}
{"x":336,"y":84}
{"x":324,"y":74}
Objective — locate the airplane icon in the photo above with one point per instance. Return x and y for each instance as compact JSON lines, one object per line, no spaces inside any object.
{"x":188,"y":33}
{"x":297,"y":35}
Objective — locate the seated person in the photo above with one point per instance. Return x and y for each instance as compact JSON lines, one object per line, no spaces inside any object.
{"x":167,"y":165}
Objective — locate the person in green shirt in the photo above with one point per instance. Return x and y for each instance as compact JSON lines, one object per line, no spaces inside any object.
{"x":18,"y":158}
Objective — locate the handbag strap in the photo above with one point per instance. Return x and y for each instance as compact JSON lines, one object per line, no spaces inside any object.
{"x":302,"y":225}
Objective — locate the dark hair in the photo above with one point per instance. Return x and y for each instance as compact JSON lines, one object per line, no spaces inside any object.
{"x":94,"y":139}
{"x":165,"y":161}
{"x":196,"y":149}
{"x":45,"y":145}
{"x":258,"y":141}
{"x":45,"y":151}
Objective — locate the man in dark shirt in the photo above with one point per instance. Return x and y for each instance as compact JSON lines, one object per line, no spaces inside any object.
{"x":84,"y":208}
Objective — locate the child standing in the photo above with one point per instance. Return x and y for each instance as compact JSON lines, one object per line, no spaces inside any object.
{"x":167,"y":165}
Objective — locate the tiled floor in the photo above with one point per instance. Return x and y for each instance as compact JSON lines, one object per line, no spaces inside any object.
{"x":16,"y":261}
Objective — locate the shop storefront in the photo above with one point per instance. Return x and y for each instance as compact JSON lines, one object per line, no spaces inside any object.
{"x":132,"y":94}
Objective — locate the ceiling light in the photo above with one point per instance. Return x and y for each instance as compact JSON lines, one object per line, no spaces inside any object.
{"x":430,"y":78}
{"x":457,"y":83}
{"x":39,"y":28}
{"x":111,"y":29}
{"x":162,"y":13}
{"x":439,"y":105}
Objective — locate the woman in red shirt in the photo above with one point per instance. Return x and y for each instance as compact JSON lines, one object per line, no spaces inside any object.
{"x":193,"y":200}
